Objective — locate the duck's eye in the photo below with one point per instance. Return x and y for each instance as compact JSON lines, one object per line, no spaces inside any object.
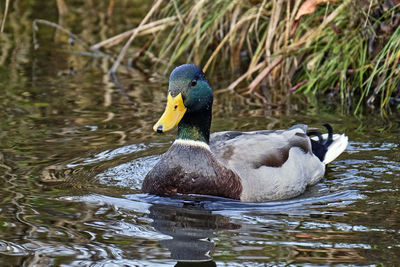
{"x":194,"y":82}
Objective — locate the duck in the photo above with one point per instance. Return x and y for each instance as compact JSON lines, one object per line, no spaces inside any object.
{"x":255,"y":166}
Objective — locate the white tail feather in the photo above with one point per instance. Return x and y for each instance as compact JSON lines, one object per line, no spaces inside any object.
{"x":338,"y":145}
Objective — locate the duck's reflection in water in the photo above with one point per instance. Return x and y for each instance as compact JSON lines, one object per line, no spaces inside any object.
{"x":191,"y":229}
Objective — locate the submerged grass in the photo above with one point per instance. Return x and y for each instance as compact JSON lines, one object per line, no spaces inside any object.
{"x":345,"y":48}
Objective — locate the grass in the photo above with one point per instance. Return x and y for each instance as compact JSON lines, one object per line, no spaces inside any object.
{"x":347,"y":48}
{"x":3,"y":20}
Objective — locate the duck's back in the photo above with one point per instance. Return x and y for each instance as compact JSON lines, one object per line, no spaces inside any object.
{"x":271,"y":164}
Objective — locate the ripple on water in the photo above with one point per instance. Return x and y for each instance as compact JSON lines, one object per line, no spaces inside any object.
{"x":129,"y":174}
{"x":112,"y":154}
{"x":355,"y":147}
{"x":300,"y":224}
{"x":12,"y":249}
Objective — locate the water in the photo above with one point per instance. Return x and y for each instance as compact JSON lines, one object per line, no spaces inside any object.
{"x":75,"y":146}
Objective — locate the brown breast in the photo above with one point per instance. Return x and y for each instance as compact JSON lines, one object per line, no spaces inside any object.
{"x":191,"y":170}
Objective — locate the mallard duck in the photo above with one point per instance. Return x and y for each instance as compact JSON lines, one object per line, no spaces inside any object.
{"x":248,"y":166}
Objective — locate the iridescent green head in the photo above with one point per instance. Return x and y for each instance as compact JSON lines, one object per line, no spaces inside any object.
{"x":189,"y":104}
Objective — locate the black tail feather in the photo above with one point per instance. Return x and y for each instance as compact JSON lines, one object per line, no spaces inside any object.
{"x":320,"y":147}
{"x":328,"y":141}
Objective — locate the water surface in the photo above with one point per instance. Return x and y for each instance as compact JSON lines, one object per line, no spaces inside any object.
{"x":75,"y":147}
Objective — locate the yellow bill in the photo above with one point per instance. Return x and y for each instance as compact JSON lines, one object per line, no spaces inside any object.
{"x":172,"y":115}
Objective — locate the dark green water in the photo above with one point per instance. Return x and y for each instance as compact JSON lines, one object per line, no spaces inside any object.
{"x":75,"y":148}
